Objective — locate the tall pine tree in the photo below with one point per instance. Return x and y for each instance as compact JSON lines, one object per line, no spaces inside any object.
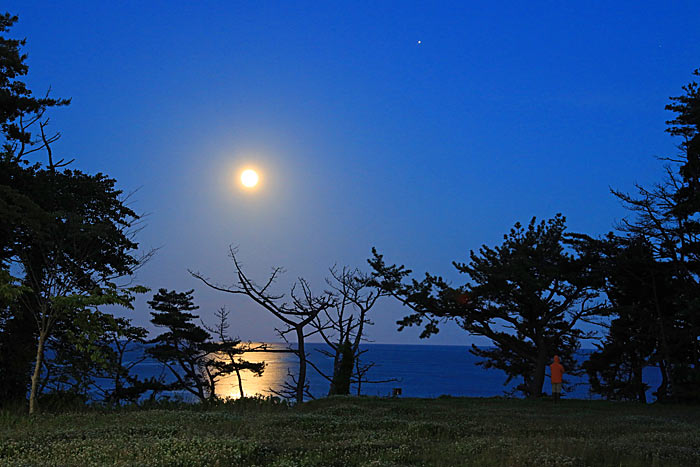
{"x":668,"y":219}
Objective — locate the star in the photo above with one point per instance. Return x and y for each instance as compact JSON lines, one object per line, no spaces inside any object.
{"x":420,"y":42}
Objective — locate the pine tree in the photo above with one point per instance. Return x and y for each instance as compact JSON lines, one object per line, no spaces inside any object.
{"x":194,"y":359}
{"x":182,"y":348}
{"x":668,"y":219}
{"x":526,"y":296}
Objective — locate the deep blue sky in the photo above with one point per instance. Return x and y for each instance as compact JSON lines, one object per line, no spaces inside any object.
{"x":505,"y":111}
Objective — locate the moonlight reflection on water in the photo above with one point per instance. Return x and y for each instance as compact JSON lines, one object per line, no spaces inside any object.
{"x":276,"y":371}
{"x":410,"y":367}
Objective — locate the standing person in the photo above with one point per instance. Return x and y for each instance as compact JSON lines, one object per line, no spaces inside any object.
{"x":556,"y":370}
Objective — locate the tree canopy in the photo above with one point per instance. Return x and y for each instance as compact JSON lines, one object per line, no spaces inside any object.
{"x":66,"y":236}
{"x":527,"y":296}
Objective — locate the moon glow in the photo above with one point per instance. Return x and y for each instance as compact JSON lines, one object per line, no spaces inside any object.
{"x":249,"y":178}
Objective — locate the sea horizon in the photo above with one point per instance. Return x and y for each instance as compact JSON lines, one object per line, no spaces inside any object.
{"x":419,"y":370}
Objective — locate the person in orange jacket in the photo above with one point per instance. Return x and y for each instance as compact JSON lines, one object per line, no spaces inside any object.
{"x":556,"y":370}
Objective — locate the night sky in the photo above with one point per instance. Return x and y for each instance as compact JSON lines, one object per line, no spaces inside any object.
{"x":362,"y":135}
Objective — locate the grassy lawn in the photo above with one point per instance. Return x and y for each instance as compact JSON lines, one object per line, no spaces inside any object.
{"x":362,"y":431}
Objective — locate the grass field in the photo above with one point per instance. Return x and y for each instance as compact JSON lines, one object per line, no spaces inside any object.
{"x":362,"y":431}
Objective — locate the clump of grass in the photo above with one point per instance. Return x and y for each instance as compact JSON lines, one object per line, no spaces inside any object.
{"x":348,"y":431}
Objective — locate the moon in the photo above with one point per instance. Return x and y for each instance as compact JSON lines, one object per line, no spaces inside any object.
{"x":249,"y":178}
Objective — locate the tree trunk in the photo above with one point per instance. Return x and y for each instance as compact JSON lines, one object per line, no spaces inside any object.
{"x":667,"y":367}
{"x":537,"y":380}
{"x":662,"y":390}
{"x":212,"y":392}
{"x":200,"y":393}
{"x":18,"y":352}
{"x":33,"y":407}
{"x":118,"y":390}
{"x":336,"y":366}
{"x":639,"y":384}
{"x":240,"y":382}
{"x":342,"y":378}
{"x":302,"y":364}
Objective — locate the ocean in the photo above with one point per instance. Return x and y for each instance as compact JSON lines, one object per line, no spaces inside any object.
{"x":426,"y":371}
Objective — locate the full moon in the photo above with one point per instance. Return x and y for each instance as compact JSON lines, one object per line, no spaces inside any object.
{"x":249,"y":178}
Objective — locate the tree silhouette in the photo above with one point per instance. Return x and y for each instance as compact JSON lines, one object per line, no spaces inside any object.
{"x":342,"y":327}
{"x":667,"y":218}
{"x":296,"y":314}
{"x":639,"y":296}
{"x":195,"y":360}
{"x":526,"y":296}
{"x":232,"y":349}
{"x":69,"y":234}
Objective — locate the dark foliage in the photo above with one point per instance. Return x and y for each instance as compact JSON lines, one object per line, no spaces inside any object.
{"x":188,"y":351}
{"x":637,"y":291}
{"x":668,"y":220}
{"x":19,"y":111}
{"x":526,"y":296}
{"x":92,"y":354}
{"x":65,"y":234}
{"x":18,"y":107}
{"x":341,"y":380}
